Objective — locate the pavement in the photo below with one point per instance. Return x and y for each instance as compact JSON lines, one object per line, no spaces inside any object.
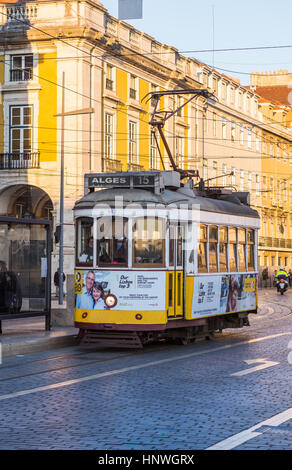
{"x":28,"y":335}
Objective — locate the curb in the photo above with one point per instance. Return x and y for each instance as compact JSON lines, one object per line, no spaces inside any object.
{"x":37,"y":345}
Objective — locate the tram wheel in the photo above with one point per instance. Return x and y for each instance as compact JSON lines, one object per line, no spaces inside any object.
{"x":184,"y":341}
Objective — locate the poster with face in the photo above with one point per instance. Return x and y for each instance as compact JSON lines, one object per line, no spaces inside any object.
{"x":125,"y":290}
{"x":217,"y":294}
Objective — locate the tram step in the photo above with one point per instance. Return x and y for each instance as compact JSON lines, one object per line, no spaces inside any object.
{"x":111,"y":339}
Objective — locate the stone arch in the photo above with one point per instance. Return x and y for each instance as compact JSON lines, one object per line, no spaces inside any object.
{"x":21,"y":200}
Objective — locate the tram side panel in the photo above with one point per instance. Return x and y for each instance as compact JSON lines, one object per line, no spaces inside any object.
{"x":220,"y":294}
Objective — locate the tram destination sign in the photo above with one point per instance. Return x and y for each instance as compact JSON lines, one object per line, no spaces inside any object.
{"x":104,"y":180}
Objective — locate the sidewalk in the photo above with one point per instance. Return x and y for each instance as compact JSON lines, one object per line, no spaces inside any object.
{"x":28,"y":335}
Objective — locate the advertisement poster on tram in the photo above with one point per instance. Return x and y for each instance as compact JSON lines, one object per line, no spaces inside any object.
{"x":99,"y":290}
{"x":223,"y":294}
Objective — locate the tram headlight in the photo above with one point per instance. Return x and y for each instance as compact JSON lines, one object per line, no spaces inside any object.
{"x":110,"y":300}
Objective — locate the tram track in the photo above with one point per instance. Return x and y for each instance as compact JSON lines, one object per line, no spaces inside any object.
{"x":154,"y":348}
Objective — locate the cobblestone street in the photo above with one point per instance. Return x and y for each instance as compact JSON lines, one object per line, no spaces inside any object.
{"x":233,"y":392}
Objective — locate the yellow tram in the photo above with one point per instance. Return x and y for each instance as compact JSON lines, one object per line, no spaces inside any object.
{"x":159,"y":258}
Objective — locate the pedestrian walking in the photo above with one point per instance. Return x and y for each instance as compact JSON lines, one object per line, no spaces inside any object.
{"x":265,"y":277}
{"x":57,"y":280}
{"x":290,"y":277}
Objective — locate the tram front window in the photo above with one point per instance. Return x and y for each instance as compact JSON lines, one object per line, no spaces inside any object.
{"x":112,"y":241}
{"x":84,"y":245}
{"x":148,"y":241}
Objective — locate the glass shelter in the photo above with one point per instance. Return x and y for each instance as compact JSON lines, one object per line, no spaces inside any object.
{"x":25,"y":269}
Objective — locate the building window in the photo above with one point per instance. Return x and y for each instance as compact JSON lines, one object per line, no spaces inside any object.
{"x":241,"y":180}
{"x":232,"y":131}
{"x":241,"y":134}
{"x":257,"y":139}
{"x":223,"y":91}
{"x":240,"y":99}
{"x":109,"y":79}
{"x":249,"y":137}
{"x":133,"y":92}
{"x":205,"y":172}
{"x":214,"y":124}
{"x":232,"y":94}
{"x":21,"y":68}
{"x":214,"y":171}
{"x":133,"y":147}
{"x":257,"y":183}
{"x":224,"y":171}
{"x":20,"y":129}
{"x":180,"y":102}
{"x":109,"y":136}
{"x":179,"y":151}
{"x":215,"y":85}
{"x":223,"y":128}
{"x":154,"y":163}
{"x":249,"y":178}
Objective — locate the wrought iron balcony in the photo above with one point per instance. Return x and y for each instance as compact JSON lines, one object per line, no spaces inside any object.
{"x":111,"y":164}
{"x":19,"y":161}
{"x":272,"y":242}
{"x":20,"y":75}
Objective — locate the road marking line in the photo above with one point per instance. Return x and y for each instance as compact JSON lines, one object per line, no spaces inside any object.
{"x":140,"y":366}
{"x":265,"y":364}
{"x":244,"y":436}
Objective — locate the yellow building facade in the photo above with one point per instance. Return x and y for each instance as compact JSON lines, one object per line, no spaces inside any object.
{"x":75,"y":58}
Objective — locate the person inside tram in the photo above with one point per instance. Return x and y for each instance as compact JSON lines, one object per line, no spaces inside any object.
{"x":120,"y":252}
{"x":89,"y":250}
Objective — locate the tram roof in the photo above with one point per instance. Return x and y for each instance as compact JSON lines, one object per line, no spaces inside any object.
{"x":226,"y":204}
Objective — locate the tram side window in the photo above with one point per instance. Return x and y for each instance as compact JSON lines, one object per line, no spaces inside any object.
{"x":213,"y":241}
{"x":250,"y":250}
{"x":148,"y":241}
{"x":84,"y":245}
{"x":223,"y":249}
{"x":241,"y":250}
{"x":202,"y":249}
{"x":232,"y":249}
{"x":112,"y":241}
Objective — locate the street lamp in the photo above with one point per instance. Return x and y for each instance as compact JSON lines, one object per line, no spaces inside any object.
{"x":61,"y":230}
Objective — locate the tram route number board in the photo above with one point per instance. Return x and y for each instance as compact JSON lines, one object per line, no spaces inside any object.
{"x":127,"y":181}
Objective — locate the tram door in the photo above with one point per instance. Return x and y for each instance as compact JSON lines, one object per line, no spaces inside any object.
{"x":175,"y":273}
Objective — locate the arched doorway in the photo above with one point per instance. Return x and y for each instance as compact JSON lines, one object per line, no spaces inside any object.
{"x":24,"y":246}
{"x":24,"y":201}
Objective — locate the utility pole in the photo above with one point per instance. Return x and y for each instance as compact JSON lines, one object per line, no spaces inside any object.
{"x":61,"y":239}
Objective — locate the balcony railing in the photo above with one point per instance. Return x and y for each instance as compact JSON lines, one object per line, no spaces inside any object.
{"x":135,"y":167}
{"x":20,"y":75}
{"x":19,"y":161}
{"x":272,"y":242}
{"x":110,"y":164}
